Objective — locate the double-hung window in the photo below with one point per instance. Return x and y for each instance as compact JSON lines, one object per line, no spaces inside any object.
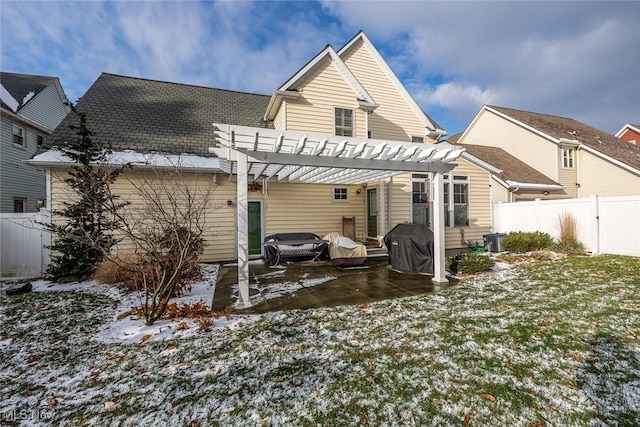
{"x":567,"y":158}
{"x":343,"y":121}
{"x":19,"y":136}
{"x":456,"y":194}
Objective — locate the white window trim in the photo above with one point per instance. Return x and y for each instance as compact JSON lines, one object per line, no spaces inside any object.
{"x":333,"y":194}
{"x":570,"y":158}
{"x":450,"y":181}
{"x":353,"y":119}
{"x":24,"y":136}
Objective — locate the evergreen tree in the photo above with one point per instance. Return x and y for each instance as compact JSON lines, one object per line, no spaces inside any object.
{"x":85,"y":234}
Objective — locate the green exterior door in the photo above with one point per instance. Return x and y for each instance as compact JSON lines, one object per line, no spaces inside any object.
{"x":255,"y":227}
{"x":372,"y":212}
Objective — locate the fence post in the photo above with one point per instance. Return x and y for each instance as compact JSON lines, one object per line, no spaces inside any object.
{"x":595,"y":224}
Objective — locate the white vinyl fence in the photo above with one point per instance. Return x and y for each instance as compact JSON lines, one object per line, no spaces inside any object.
{"x":606,"y":225}
{"x":22,"y":241}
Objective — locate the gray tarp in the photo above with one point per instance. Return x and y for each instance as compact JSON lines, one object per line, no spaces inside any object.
{"x":410,"y":248}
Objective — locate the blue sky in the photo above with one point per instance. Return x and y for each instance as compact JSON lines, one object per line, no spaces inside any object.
{"x":573,"y":59}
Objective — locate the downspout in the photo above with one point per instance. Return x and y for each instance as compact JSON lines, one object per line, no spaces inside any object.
{"x":578,"y":173}
{"x":491,"y":201}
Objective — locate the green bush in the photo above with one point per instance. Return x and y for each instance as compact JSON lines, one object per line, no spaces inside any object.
{"x":469,"y":263}
{"x":526,"y":242}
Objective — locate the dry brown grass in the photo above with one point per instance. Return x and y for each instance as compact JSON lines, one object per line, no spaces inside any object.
{"x":568,"y":230}
{"x":110,"y":272}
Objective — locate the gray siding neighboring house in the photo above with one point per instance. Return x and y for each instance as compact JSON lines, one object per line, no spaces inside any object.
{"x":31,"y":108}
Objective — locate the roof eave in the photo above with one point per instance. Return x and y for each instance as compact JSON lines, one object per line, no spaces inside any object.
{"x":276,"y":101}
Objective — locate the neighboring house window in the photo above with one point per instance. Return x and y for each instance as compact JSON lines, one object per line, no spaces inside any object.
{"x":343,"y":121}
{"x":19,"y":205}
{"x":340,"y":194}
{"x":368,"y":134}
{"x":417,"y":139}
{"x":456,"y":194}
{"x":18,"y":136}
{"x":567,"y":158}
{"x":40,"y":140}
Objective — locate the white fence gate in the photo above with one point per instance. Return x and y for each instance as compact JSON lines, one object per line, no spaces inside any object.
{"x":22,"y":241}
{"x":608,"y":225}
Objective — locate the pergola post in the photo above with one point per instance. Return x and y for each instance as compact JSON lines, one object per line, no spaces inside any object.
{"x":439,"y":257}
{"x":242,"y":221}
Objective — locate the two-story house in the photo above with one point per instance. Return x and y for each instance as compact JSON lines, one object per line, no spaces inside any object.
{"x":340,"y":140}
{"x":577,"y":159}
{"x":31,"y":108}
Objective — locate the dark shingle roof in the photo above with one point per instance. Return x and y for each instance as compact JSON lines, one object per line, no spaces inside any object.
{"x":512,"y":168}
{"x":20,"y":85}
{"x":562,"y":127}
{"x":129,"y":113}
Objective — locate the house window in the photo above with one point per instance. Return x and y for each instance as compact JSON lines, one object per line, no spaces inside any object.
{"x":567,"y":158}
{"x":456,"y":194}
{"x":417,"y":139}
{"x":19,"y":205}
{"x":343,"y":121}
{"x":40,"y":140}
{"x":18,"y":136}
{"x":340,"y":194}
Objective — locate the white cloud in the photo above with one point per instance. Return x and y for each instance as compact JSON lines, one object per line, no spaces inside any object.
{"x":577,"y":59}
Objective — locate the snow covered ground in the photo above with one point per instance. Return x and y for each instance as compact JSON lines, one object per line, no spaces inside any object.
{"x":553,"y":342}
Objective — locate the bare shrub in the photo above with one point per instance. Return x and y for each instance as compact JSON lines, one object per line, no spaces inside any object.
{"x":165,"y":225}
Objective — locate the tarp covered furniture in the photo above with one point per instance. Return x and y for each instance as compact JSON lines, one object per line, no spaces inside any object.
{"x":410,"y":248}
{"x":345,"y":252}
{"x":295,"y":246}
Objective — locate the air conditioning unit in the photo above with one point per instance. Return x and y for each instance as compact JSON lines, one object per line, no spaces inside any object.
{"x":493,"y":242}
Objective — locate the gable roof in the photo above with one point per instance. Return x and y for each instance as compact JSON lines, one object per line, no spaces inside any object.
{"x":19,"y":89}
{"x":565,"y":130}
{"x":290,"y":87}
{"x":361,"y":36}
{"x":628,"y":127}
{"x":130,"y":113}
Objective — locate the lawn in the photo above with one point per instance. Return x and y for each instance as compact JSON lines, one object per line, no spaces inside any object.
{"x":542,"y":343}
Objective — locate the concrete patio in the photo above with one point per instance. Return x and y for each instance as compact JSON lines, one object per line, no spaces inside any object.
{"x":295,"y":285}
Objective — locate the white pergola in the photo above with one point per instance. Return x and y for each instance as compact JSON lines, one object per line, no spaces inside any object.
{"x":289,"y":156}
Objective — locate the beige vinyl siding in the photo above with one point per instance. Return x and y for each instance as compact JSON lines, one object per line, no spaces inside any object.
{"x":220,"y":218}
{"x":394,"y":119}
{"x":294,"y":207}
{"x":494,"y":131}
{"x":602,"y":178}
{"x":498,"y":192}
{"x":288,"y":208}
{"x":280,"y":121}
{"x":321,"y":92}
{"x":567,"y":176}
{"x":399,"y":197}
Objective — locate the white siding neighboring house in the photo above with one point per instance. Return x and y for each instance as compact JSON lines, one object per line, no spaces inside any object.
{"x":31,"y":108}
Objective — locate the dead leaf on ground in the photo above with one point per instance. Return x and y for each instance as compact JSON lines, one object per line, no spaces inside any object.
{"x":124,"y":315}
{"x":489,"y":397}
{"x":466,"y":419}
{"x":145,"y":338}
